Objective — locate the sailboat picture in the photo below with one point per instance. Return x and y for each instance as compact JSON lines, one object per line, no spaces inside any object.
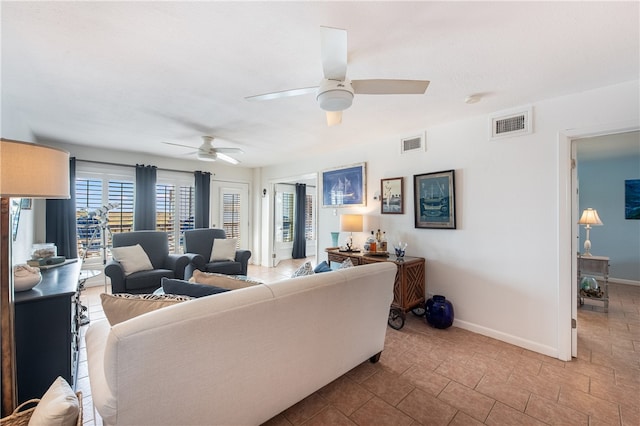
{"x":344,"y":186}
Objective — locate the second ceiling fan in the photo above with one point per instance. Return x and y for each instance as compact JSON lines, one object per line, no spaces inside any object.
{"x":335,"y":91}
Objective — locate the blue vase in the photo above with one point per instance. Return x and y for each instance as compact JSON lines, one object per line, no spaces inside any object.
{"x":439,"y":312}
{"x":334,"y":238}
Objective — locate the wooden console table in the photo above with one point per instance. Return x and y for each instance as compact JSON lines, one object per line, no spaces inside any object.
{"x":408,"y":290}
{"x":47,"y":331}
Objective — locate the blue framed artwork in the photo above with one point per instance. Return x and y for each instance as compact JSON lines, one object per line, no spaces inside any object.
{"x":632,"y":199}
{"x":344,"y":186}
{"x":434,"y":200}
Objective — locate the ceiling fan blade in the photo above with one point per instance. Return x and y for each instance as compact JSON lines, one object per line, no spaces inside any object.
{"x":177,"y":144}
{"x":229,"y":150}
{"x":334,"y":118}
{"x":283,"y":94}
{"x":226,"y":158}
{"x":333,"y":48}
{"x":389,"y":87}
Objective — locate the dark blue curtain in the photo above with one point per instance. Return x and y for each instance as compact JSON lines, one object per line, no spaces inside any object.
{"x":299,"y":240}
{"x":202,"y":191}
{"x":144,"y":216}
{"x":60,"y":227}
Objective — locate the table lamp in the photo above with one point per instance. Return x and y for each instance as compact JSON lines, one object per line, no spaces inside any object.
{"x":589,"y":218}
{"x":351,"y":223}
{"x":31,"y":171}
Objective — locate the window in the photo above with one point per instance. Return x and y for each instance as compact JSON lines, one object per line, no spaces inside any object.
{"x":308,"y":219}
{"x":287,"y":217}
{"x":98,"y":186}
{"x":231,"y":214}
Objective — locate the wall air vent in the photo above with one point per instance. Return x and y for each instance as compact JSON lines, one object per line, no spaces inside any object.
{"x":412,"y":144}
{"x":511,"y":123}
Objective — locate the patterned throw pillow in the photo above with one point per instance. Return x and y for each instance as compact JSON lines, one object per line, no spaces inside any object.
{"x":347,"y":263}
{"x":305,"y":269}
{"x":122,"y":306}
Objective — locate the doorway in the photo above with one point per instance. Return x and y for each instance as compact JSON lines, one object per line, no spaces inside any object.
{"x":230,"y":210}
{"x":569,"y":232}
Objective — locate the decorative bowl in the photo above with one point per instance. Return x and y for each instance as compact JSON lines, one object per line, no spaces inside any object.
{"x":25,"y":277}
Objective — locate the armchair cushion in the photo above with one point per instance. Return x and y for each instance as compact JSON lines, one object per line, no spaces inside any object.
{"x":199,"y":246}
{"x":132,"y":258}
{"x":223,"y":249}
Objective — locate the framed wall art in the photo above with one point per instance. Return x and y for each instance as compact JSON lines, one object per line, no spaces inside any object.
{"x":434,"y":200}
{"x":392,"y":191}
{"x":632,"y":199}
{"x":25,"y":203}
{"x":344,"y":186}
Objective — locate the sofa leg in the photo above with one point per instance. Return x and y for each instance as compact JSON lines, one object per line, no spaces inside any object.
{"x":375,"y":358}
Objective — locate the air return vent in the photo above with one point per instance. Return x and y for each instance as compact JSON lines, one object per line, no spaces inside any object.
{"x":412,"y":144}
{"x":511,"y":123}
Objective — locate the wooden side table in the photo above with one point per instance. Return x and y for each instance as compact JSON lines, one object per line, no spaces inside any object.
{"x":408,"y":289}
{"x":594,"y":265}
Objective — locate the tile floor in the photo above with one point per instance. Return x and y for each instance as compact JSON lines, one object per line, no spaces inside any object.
{"x":454,"y":377}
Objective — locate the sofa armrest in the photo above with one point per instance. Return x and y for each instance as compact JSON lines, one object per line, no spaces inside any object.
{"x":115,"y":272}
{"x":243,"y":256}
{"x":177,"y":263}
{"x":196,"y":261}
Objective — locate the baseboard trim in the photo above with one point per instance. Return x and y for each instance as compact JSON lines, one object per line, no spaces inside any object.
{"x":624,"y":281}
{"x":508,"y":338}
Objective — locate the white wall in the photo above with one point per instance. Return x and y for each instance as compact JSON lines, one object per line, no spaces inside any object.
{"x":501,"y":267}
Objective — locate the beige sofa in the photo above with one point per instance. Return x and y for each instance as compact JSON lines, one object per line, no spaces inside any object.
{"x":240,"y":357}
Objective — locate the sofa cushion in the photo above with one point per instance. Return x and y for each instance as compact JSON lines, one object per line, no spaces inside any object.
{"x":185,"y":288}
{"x":322,"y":267}
{"x":223,"y":249}
{"x":230,"y":282}
{"x":303,"y":270}
{"x":122,"y":307}
{"x":132,"y":258}
{"x":224,"y":267}
{"x":58,"y":406}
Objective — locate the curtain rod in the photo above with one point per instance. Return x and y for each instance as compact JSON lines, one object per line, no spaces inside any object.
{"x":106,"y":163}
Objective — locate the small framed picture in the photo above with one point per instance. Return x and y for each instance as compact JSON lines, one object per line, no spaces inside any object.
{"x":392,"y":191}
{"x":25,"y":203}
{"x":434,"y":200}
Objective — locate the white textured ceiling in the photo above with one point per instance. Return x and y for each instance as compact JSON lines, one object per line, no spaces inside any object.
{"x":129,"y":75}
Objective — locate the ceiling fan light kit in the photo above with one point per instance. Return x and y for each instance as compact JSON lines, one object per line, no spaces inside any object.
{"x":207,"y":152}
{"x":335,"y":95}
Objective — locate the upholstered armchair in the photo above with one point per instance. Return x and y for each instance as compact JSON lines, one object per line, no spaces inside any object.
{"x":131,"y":272}
{"x":198,"y":245}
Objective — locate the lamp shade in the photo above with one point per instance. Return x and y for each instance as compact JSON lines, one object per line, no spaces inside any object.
{"x":33,"y":171}
{"x":351,"y":223}
{"x":590,"y":217}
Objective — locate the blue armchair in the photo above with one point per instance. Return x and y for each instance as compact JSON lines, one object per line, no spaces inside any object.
{"x":198,"y":244}
{"x":156,"y":246}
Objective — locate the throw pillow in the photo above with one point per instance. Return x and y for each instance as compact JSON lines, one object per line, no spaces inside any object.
{"x":230,"y":282}
{"x":58,"y":406}
{"x":121,"y":306}
{"x":322,"y":267}
{"x":304,"y":269}
{"x":347,"y":263}
{"x":224,"y":249}
{"x":185,"y":288}
{"x":132,"y":258}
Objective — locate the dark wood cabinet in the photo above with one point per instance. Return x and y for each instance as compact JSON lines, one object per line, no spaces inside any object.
{"x":408,"y":290}
{"x":47,"y":331}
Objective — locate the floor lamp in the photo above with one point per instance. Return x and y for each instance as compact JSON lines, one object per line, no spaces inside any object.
{"x":30,"y":171}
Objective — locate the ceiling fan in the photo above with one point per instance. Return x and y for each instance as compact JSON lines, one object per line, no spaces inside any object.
{"x":206,"y":151}
{"x":335,"y":91}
